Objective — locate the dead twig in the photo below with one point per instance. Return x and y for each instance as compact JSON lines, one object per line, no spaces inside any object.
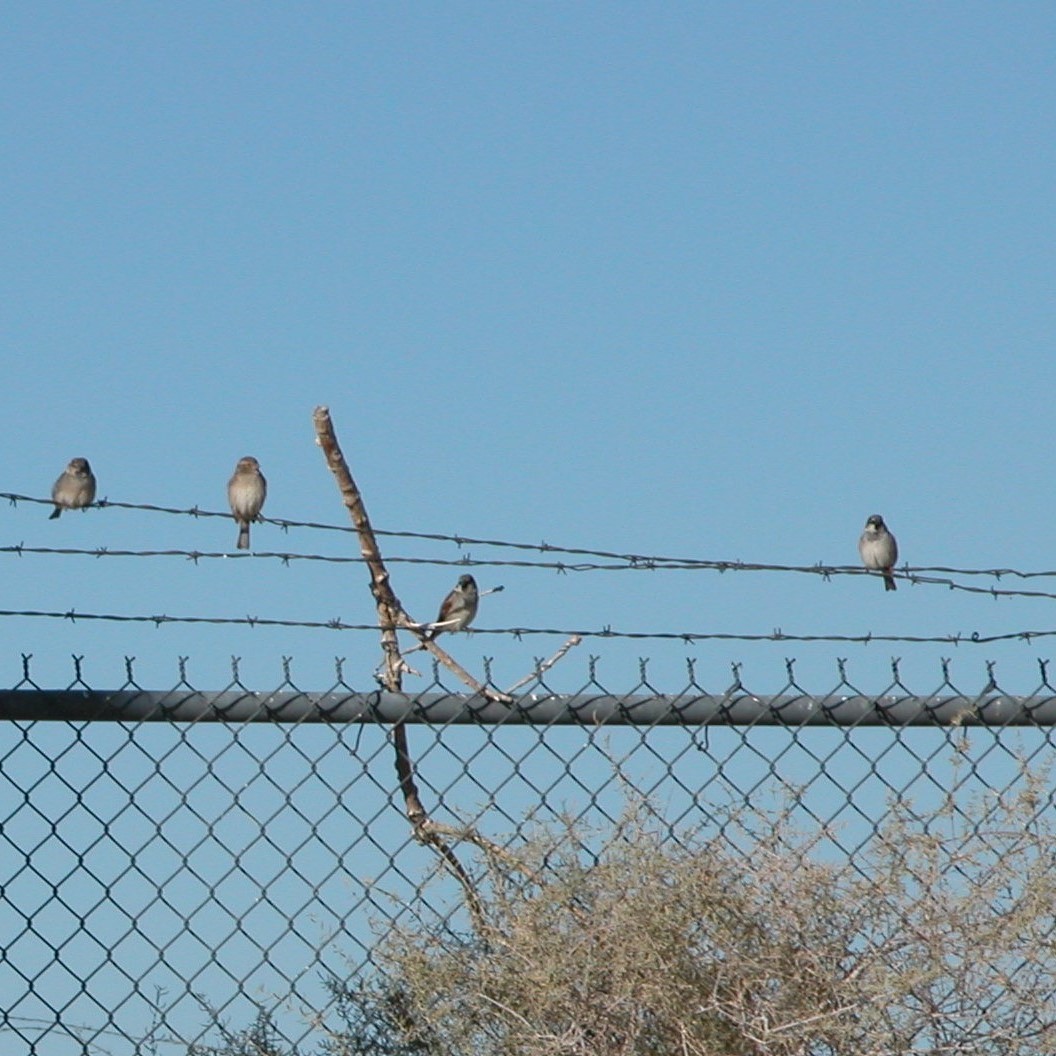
{"x":547,"y":664}
{"x":457,"y":669}
{"x":467,"y":834}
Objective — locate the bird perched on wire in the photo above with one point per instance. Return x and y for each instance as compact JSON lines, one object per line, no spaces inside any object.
{"x":246,"y":491}
{"x":75,"y":489}
{"x":458,"y":608}
{"x":879,"y":550}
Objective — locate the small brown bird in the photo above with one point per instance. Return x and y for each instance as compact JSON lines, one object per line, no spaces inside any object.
{"x":75,"y":489}
{"x":879,"y":550}
{"x":246,"y":491}
{"x":458,"y":608}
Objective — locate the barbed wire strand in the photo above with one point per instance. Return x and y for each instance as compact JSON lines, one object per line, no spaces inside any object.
{"x":908,"y":575}
{"x":336,"y":624}
{"x":656,"y":562}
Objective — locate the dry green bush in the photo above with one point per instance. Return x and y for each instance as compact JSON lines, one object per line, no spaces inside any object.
{"x":939,"y":939}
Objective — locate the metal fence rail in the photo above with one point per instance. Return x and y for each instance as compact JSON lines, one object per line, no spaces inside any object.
{"x":174,"y":859}
{"x":551,"y":709}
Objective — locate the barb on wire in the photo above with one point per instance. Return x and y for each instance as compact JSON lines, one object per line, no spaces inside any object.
{"x":688,"y":637}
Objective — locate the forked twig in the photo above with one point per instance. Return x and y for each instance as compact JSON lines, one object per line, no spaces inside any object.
{"x":497,"y":853}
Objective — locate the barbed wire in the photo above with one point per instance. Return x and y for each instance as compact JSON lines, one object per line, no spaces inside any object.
{"x":337,"y":624}
{"x":624,"y":561}
{"x":908,"y":574}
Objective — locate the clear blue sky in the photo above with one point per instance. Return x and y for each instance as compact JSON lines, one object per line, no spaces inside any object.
{"x":716,"y":281}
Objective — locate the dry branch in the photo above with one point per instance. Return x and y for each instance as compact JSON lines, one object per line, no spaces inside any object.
{"x":457,"y":669}
{"x":571,"y":643}
{"x":390,"y":612}
{"x":390,"y":616}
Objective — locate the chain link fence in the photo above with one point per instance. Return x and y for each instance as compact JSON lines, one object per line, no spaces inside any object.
{"x":183,"y":863}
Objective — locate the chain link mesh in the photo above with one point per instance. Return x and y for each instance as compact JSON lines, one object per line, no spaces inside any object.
{"x":161,"y":877}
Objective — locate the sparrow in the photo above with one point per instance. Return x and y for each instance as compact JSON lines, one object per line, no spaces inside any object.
{"x":75,"y":489}
{"x":458,"y":608}
{"x":878,"y":549}
{"x":246,"y":492}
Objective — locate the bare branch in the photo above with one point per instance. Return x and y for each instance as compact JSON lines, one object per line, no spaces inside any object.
{"x":429,"y":834}
{"x":492,"y":849}
{"x":390,"y":616}
{"x":457,"y":669}
{"x":390,"y":612}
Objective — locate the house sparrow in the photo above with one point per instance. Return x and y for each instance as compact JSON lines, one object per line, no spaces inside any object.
{"x":75,"y":489}
{"x":458,"y":608}
{"x":878,"y":549}
{"x":246,"y":491}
